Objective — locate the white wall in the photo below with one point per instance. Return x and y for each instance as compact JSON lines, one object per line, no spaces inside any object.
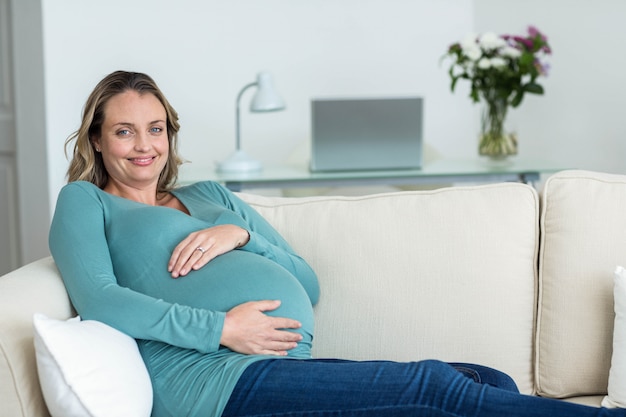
{"x":202,"y":52}
{"x":579,"y":122}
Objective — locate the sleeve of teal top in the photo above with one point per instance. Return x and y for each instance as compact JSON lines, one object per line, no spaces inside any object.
{"x":78,"y":245}
{"x":266,"y":241}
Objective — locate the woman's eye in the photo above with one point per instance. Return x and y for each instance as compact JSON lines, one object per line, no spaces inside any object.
{"x":123,"y":132}
{"x":156,"y":129}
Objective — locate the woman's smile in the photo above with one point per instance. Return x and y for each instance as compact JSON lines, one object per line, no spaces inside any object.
{"x":142,"y":160}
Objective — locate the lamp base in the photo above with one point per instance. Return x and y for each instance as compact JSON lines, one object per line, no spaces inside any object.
{"x":239,"y":162}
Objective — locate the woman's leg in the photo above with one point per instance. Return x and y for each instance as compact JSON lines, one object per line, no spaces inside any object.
{"x":286,"y":387}
{"x":485,"y":375}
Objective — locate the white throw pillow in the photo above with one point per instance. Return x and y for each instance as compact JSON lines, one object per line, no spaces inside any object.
{"x":617,"y":376}
{"x":87,"y":368}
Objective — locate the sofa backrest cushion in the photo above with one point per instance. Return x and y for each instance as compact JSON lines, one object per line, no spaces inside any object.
{"x":448,"y":274}
{"x":583,"y":240}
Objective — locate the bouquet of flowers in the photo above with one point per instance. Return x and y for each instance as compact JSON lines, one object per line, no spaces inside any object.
{"x":501,"y":69}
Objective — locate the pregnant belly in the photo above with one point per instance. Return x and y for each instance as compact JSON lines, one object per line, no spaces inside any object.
{"x":232,"y":279}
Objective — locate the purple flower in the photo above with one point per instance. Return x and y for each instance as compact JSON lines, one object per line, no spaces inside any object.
{"x":533,"y":32}
{"x":542,"y":67}
{"x":546,"y":49}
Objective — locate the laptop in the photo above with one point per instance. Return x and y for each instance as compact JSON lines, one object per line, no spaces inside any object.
{"x":360,"y":134}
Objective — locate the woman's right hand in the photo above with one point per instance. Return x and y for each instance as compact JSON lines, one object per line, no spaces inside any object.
{"x":248,"y":330}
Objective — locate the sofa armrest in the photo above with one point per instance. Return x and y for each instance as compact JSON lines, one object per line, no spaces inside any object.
{"x":34,"y":288}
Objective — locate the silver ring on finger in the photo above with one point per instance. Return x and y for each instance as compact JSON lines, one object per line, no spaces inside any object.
{"x":201,"y":249}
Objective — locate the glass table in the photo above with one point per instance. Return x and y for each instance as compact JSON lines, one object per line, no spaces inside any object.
{"x":442,"y":171}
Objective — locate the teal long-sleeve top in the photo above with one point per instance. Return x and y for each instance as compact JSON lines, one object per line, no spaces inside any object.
{"x":113,"y":253}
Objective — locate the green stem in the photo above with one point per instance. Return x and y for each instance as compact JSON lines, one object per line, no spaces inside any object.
{"x":494,"y":141}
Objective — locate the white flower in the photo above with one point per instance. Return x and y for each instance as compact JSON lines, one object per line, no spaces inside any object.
{"x":469,"y":40}
{"x":473,"y":52}
{"x":484,"y":63}
{"x":498,"y":62}
{"x":490,"y":41}
{"x":510,"y":52}
{"x":466,"y":67}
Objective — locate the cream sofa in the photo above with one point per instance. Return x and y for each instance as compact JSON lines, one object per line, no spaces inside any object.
{"x":493,"y":274}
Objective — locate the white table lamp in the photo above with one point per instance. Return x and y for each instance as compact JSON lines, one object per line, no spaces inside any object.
{"x":266,"y":99}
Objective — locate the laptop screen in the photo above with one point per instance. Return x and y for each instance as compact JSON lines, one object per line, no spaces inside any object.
{"x":366,"y":133}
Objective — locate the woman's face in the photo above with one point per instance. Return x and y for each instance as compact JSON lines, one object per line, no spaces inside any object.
{"x":133,"y":140}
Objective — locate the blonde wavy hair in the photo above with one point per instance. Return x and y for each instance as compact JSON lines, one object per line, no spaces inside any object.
{"x":86,"y":164}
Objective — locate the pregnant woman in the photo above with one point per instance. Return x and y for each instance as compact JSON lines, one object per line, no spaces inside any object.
{"x":219,"y":303}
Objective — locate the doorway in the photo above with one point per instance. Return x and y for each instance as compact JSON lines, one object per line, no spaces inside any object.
{"x":9,"y":221}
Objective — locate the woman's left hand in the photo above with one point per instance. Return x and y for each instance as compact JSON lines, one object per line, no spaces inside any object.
{"x":197,"y":249}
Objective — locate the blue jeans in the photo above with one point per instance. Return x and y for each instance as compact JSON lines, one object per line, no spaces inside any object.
{"x":320,"y":387}
{"x":485,"y":375}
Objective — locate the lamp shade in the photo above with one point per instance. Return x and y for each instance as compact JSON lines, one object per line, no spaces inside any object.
{"x":266,"y":97}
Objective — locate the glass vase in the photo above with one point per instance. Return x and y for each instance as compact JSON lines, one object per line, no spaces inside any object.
{"x":495,"y":141}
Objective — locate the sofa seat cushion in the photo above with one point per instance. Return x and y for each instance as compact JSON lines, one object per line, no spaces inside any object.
{"x":447,"y":274}
{"x":583,"y":240}
{"x":590,"y":400}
